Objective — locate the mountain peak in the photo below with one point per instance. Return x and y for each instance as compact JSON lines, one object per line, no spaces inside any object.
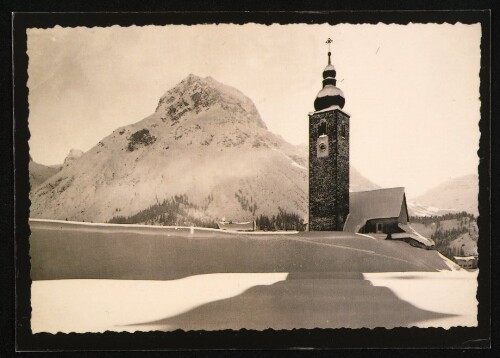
{"x":191,"y":78}
{"x":195,"y":94}
{"x":73,"y":155}
{"x":206,"y":140}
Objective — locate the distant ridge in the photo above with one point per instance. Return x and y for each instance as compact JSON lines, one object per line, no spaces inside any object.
{"x":454,"y":195}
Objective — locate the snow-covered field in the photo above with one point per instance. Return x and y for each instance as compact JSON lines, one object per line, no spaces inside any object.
{"x":449,"y":292}
{"x":128,"y":305}
{"x":101,"y":305}
{"x":93,"y":278}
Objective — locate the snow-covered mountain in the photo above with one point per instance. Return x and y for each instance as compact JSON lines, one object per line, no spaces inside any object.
{"x":358,"y":182}
{"x":205,"y":140}
{"x":454,"y":195}
{"x":39,"y":173}
{"x":73,"y":155}
{"x":417,"y":209}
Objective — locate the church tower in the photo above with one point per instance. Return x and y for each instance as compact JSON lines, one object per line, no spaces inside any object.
{"x":328,"y":156}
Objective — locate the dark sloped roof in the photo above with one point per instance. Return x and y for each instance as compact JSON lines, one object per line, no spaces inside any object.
{"x":373,"y":204}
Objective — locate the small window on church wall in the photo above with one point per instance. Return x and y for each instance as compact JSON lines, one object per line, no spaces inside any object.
{"x":342,"y":130}
{"x":322,"y":128}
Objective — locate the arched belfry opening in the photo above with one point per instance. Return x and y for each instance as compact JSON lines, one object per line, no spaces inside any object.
{"x":328,"y":155}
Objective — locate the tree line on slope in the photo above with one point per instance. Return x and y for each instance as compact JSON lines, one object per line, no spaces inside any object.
{"x":175,"y":211}
{"x":427,"y":220}
{"x":443,"y":239}
{"x":443,"y":236}
{"x":282,"y":221}
{"x":178,"y":211}
{"x":247,"y":205}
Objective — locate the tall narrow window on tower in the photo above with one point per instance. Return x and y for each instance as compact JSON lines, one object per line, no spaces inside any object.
{"x":342,"y":130}
{"x":328,"y":156}
{"x":322,"y":128}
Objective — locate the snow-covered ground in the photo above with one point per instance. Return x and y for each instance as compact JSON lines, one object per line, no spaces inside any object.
{"x":101,"y":305}
{"x":122,"y":305}
{"x":449,"y":292}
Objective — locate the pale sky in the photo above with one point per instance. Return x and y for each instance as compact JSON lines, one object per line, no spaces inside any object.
{"x":412,"y":91}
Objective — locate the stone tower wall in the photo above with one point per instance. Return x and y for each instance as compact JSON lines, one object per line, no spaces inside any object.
{"x":329,"y":174}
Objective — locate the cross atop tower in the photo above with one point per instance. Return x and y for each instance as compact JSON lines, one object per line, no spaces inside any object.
{"x":329,"y":41}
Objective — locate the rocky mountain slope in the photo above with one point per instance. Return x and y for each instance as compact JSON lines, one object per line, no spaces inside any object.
{"x":39,"y":173}
{"x":454,"y":195}
{"x":205,"y":140}
{"x":74,"y":154}
{"x":358,"y":182}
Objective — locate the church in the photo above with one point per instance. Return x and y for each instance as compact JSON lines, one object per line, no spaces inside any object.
{"x":331,"y":206}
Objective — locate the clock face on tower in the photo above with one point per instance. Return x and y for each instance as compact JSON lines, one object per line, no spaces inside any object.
{"x":322,"y":146}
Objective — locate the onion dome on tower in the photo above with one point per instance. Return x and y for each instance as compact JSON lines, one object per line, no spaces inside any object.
{"x":330,"y":94}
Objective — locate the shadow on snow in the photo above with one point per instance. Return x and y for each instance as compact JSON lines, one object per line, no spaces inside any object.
{"x":303,"y":300}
